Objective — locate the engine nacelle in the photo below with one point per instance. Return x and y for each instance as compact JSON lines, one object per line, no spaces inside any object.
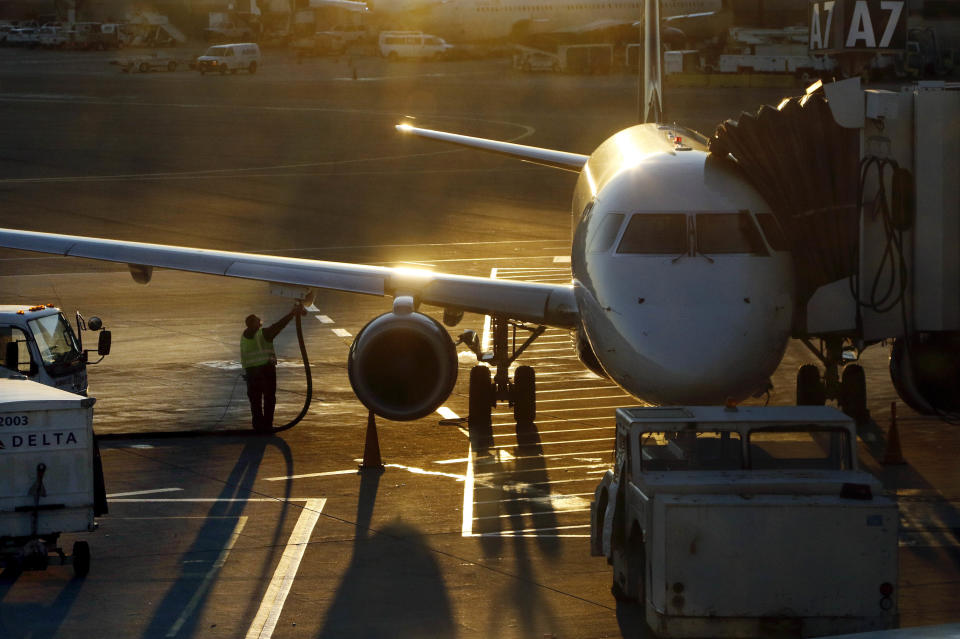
{"x":402,"y":366}
{"x":926,"y":371}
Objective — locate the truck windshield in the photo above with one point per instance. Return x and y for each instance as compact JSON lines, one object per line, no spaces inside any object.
{"x":690,"y":450}
{"x":57,"y":344}
{"x":800,"y":449}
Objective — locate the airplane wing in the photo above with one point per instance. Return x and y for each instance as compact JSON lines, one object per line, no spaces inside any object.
{"x":553,"y":305}
{"x":547,"y":157}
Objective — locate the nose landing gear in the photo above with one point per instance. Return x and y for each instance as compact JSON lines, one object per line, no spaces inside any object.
{"x":849,"y":389}
{"x":484,"y":392}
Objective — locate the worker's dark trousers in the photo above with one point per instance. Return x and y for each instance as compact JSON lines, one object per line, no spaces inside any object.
{"x":262,"y":391}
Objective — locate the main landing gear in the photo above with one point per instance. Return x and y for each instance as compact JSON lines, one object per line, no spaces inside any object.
{"x":849,"y":388}
{"x":485,"y":392}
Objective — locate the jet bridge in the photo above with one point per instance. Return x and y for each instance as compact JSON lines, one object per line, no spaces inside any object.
{"x":866,"y":185}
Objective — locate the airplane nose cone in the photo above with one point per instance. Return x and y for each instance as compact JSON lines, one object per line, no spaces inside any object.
{"x":691,"y":349}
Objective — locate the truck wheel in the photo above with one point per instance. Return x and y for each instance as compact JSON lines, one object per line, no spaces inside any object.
{"x":171,"y":66}
{"x":853,"y":392}
{"x":144,"y":67}
{"x":629,"y":562}
{"x":253,"y":67}
{"x":810,"y":388}
{"x":524,"y":395}
{"x":81,"y":558}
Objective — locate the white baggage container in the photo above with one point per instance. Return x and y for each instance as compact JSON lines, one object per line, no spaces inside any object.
{"x":46,"y":465}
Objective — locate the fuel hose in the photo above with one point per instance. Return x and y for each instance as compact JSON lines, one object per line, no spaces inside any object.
{"x":306,"y":369}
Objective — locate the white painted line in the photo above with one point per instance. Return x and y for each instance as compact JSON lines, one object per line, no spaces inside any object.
{"x":201,"y":591}
{"x":446,"y":413}
{"x":341,"y":332}
{"x":466,"y":526}
{"x":561,"y":259}
{"x":514,"y":533}
{"x":570,"y":441}
{"x":530,"y":514}
{"x":144,"y":492}
{"x":458,"y":460}
{"x":324,"y":319}
{"x":312,"y":308}
{"x":352,"y":471}
{"x":272,"y":604}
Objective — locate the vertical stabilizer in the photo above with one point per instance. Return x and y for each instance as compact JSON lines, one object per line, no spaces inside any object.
{"x":651,"y":109}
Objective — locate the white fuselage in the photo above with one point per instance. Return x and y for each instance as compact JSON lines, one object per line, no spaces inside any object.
{"x":488,"y":20}
{"x":689,"y":304}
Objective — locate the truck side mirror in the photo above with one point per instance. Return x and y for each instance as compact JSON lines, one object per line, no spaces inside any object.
{"x":11,"y":356}
{"x":103,"y":344}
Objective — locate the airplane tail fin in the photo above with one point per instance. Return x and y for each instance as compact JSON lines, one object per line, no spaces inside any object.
{"x":651,"y":109}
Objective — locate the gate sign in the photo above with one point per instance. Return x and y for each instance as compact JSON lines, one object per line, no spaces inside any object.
{"x":838,"y":26}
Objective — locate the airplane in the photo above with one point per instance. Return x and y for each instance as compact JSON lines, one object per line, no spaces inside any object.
{"x":678,"y":293}
{"x":498,"y":20}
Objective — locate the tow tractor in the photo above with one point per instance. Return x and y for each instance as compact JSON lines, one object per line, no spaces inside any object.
{"x":39,"y":343}
{"x":751,"y":521}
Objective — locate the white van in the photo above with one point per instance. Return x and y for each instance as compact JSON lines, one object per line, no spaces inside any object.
{"x":412,"y":44}
{"x":230,"y":57}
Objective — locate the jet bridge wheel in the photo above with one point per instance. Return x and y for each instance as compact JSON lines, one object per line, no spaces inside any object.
{"x":524,"y":395}
{"x":811,"y":390}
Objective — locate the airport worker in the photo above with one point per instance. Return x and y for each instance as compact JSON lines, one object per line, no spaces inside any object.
{"x":259,"y":362}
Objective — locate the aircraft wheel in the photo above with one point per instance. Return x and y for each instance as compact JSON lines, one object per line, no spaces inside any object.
{"x":853,"y":392}
{"x":810,"y":388}
{"x":481,"y":399}
{"x":81,"y":558}
{"x":524,"y":395}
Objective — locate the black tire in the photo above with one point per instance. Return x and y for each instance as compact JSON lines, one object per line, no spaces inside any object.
{"x":171,"y":66}
{"x":81,"y":558}
{"x":524,"y":395}
{"x":853,"y":392}
{"x":144,"y":67}
{"x":253,"y":67}
{"x":481,"y":398}
{"x":810,"y":388}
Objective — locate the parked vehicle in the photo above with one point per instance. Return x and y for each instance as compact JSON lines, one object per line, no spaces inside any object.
{"x":22,"y":37}
{"x":52,"y":37}
{"x":412,"y":44}
{"x":726,"y":522}
{"x":230,"y":57}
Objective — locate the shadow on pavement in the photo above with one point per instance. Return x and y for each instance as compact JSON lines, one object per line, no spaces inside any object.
{"x":393,"y":587}
{"x":35,"y":620}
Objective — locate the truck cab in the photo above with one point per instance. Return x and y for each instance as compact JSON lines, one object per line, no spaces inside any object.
{"x":743,"y":521}
{"x":37,"y":342}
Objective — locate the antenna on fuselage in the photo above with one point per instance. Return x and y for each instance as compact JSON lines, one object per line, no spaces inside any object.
{"x":650,"y":80}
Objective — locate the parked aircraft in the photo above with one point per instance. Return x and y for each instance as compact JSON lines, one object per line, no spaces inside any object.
{"x":492,"y":20}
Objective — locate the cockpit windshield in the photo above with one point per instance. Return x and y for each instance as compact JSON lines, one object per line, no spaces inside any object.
{"x":656,"y":233}
{"x":59,"y":349}
{"x":719,"y":233}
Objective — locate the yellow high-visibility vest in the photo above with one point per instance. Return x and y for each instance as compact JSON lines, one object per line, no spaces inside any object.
{"x":256,"y":351}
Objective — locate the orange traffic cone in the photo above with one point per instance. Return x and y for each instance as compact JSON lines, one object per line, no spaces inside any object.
{"x":371,"y":449}
{"x":893,"y":456}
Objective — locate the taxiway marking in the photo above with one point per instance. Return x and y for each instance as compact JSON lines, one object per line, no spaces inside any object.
{"x":341,"y":332}
{"x":143,"y":492}
{"x":271,"y":606}
{"x":466,"y":527}
{"x":201,"y":591}
{"x":324,"y":319}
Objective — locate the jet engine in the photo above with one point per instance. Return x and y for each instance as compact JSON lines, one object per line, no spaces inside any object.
{"x":925,"y":370}
{"x":402,"y":366}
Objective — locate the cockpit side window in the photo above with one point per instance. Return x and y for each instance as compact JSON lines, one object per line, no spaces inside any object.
{"x":655,"y":233}
{"x":719,"y":233}
{"x":603,"y":237}
{"x":773,"y":232}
